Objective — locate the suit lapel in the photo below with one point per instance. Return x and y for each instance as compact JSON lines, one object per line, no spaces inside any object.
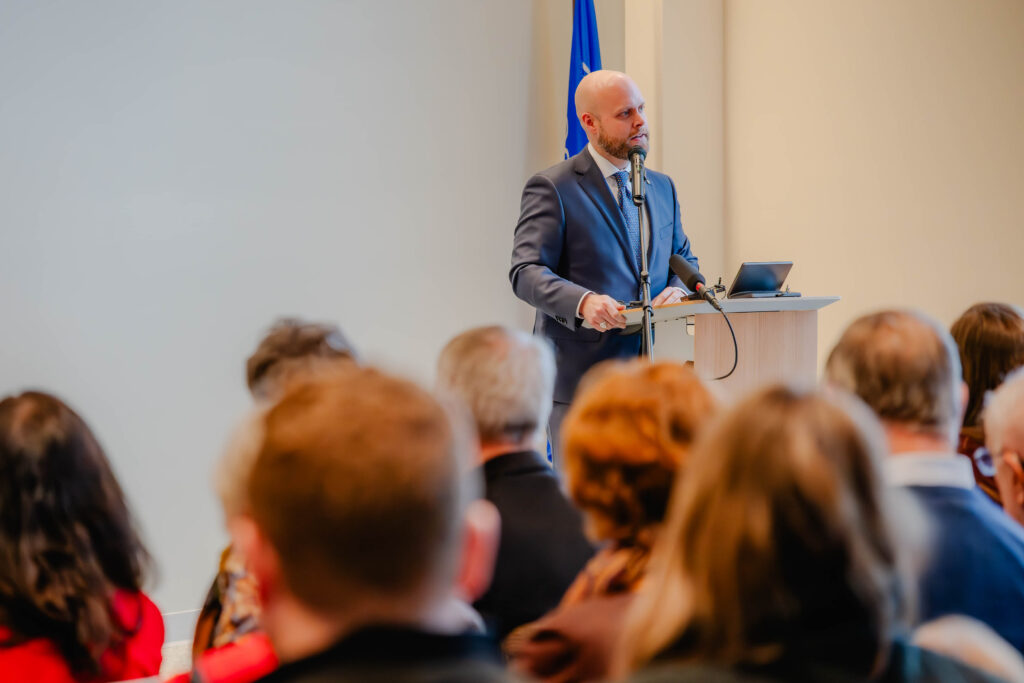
{"x":596,"y":187}
{"x":654,"y":218}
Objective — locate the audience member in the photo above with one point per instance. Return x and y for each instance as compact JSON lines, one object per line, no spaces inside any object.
{"x":1004,"y":420}
{"x":906,"y":368}
{"x":364,"y":535}
{"x":506,"y":378}
{"x":779,"y":561}
{"x":990,"y":338}
{"x":628,"y":431}
{"x":71,"y":563}
{"x":291,"y":350}
{"x":294,"y":348}
{"x":230,"y":645}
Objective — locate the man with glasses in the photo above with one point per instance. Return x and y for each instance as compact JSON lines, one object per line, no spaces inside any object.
{"x":1004,"y":443}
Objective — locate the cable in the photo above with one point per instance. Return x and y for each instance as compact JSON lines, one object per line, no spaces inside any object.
{"x":735,"y":348}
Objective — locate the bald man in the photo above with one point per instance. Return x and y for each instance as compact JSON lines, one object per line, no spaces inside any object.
{"x":576,"y":254}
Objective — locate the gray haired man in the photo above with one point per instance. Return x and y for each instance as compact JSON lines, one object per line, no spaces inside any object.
{"x":505,"y":377}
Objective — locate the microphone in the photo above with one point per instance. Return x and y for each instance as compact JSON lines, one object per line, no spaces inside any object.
{"x":636,"y":173}
{"x":693,"y":280}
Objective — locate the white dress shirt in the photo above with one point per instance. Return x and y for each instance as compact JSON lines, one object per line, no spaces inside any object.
{"x":608,"y":170}
{"x":929,"y":469}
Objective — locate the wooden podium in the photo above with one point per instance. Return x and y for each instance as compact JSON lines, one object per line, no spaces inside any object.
{"x":777,"y":338}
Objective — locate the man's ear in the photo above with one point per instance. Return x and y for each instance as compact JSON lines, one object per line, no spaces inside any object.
{"x":965,"y":396}
{"x":1012,"y":461}
{"x":261,"y":559}
{"x":587,"y":121}
{"x":481,"y":533}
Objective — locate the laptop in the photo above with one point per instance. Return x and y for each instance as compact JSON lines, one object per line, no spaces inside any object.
{"x":760,"y":279}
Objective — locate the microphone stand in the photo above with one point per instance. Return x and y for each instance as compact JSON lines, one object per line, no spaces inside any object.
{"x":645,"y":276}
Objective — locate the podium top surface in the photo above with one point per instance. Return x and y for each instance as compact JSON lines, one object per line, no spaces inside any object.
{"x":684,"y":309}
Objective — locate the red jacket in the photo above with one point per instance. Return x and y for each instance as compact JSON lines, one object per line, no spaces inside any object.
{"x":245,"y":660}
{"x":40,"y":661}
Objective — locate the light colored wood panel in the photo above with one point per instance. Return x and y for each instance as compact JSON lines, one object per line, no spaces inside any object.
{"x":773,"y":346}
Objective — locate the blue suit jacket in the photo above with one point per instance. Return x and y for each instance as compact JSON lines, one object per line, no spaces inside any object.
{"x":977,"y":561}
{"x":571,"y":238}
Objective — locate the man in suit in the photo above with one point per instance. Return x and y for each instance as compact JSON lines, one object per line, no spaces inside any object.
{"x":906,"y":367}
{"x":576,"y":253}
{"x":505,"y":377}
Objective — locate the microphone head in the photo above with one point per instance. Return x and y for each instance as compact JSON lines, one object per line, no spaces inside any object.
{"x":637,"y":151}
{"x":690,"y":276}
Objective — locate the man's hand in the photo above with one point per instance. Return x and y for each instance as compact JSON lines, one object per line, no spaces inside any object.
{"x":602,"y":312}
{"x":669,"y":295}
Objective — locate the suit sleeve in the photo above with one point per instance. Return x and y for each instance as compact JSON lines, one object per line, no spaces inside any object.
{"x":680,"y":242}
{"x":537,"y":251}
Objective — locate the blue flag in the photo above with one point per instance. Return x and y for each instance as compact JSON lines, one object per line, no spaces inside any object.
{"x":585,"y":57}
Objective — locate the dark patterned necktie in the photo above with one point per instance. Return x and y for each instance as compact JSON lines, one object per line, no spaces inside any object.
{"x":629,"y":214}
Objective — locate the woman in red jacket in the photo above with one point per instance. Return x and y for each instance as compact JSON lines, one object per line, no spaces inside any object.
{"x":71,"y":563}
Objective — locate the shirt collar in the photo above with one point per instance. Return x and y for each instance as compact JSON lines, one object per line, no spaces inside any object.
{"x":608,"y":169}
{"x":929,"y":469}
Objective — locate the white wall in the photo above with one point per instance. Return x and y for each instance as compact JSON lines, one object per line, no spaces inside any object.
{"x":173,"y":176}
{"x":880,"y":146}
{"x":176,"y":175}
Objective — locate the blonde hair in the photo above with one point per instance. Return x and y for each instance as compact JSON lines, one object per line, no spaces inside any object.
{"x":629,"y":429}
{"x":778,"y":529}
{"x":231,"y":473}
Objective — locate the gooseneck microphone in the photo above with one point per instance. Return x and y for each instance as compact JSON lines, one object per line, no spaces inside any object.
{"x":693,"y":280}
{"x":636,"y":173}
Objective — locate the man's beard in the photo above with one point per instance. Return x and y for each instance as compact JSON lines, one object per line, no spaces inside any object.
{"x":618,"y":148}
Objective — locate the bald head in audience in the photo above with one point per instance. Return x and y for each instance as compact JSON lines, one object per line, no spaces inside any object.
{"x":1004,"y":439}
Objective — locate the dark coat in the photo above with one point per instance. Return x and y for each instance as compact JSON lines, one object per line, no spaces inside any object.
{"x":542,"y":543}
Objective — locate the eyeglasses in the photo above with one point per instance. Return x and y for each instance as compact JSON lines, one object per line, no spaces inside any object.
{"x":984,"y":462}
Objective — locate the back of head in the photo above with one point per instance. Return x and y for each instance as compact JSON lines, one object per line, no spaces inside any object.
{"x":1004,"y":414}
{"x":66,"y":541}
{"x":905,"y":367}
{"x":359,"y":487}
{"x":505,"y":377}
{"x":629,"y":429}
{"x":990,"y":340}
{"x":291,"y":349}
{"x":777,"y":544}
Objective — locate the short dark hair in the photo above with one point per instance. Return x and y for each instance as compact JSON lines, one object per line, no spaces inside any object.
{"x":359,"y":486}
{"x":290,"y":347}
{"x":990,"y":338}
{"x":66,"y":537}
